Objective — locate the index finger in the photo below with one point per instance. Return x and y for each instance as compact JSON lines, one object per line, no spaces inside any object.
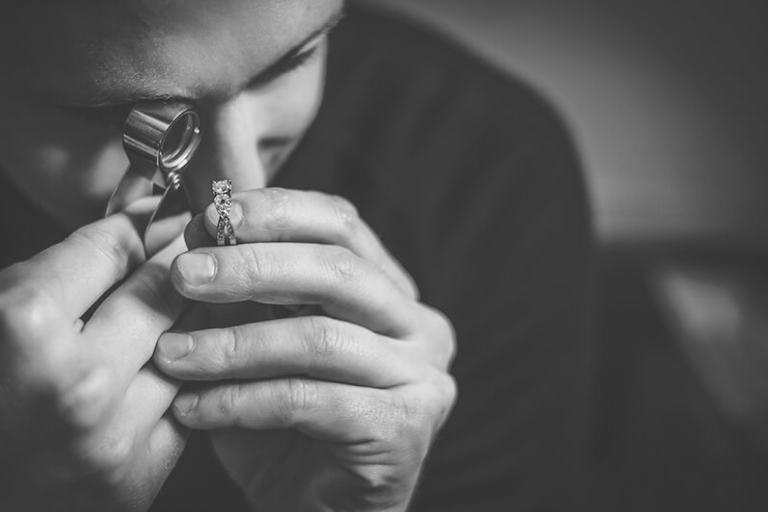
{"x":76,"y":272}
{"x":283,"y":215}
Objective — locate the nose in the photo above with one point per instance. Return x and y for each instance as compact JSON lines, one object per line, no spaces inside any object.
{"x":229,"y":150}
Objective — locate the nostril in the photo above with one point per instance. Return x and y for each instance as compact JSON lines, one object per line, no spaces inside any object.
{"x":275,"y":143}
{"x":273,"y":152}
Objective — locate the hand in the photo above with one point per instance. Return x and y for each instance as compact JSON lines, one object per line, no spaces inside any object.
{"x":84,"y":422}
{"x":325,"y":412}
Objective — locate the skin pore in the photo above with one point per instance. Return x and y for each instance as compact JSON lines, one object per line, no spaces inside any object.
{"x":253,"y":69}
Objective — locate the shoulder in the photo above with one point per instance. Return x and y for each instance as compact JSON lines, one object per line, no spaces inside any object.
{"x":401,"y":60}
{"x":416,"y":127}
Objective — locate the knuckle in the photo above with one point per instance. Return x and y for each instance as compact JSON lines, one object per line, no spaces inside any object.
{"x":297,"y":397}
{"x":346,"y":214}
{"x":26,"y":314}
{"x":407,"y":424}
{"x":32,"y":333}
{"x":83,"y":406}
{"x":342,"y":265}
{"x":414,"y":412}
{"x":424,"y":407}
{"x":154,"y":285}
{"x":448,"y":391}
{"x":112,"y":452}
{"x":450,"y":345}
{"x":443,"y":332}
{"x":439,"y":399}
{"x":280,"y":213}
{"x":323,"y":340}
{"x":116,"y":248}
{"x":227,"y":401}
{"x":256,"y":265}
{"x":234,"y":348}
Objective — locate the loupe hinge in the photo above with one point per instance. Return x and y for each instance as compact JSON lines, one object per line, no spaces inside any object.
{"x":173,"y":180}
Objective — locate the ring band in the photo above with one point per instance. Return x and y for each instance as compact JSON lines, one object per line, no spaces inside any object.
{"x":222,"y":199}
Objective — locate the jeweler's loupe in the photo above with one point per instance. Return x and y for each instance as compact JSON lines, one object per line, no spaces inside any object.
{"x":160,"y":138}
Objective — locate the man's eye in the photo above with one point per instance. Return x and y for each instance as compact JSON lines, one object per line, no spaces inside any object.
{"x":306,"y":54}
{"x":302,"y":59}
{"x":294,"y":62}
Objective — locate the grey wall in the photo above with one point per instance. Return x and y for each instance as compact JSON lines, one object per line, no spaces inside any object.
{"x":667,"y":99}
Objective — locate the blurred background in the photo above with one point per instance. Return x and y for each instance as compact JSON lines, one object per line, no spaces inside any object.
{"x":666,"y":98}
{"x":667,"y":102}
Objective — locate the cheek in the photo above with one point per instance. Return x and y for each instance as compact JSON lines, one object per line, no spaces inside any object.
{"x":64,"y":164}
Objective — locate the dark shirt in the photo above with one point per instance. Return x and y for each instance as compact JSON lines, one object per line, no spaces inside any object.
{"x":472,"y":182}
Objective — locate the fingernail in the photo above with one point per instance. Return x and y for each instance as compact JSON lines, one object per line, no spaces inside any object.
{"x":185,"y":403}
{"x":174,"y":346}
{"x":196,"y":269}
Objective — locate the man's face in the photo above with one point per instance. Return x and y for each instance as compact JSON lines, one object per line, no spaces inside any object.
{"x":72,"y":70}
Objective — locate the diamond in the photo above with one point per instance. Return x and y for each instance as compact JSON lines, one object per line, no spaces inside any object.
{"x":222,"y":187}
{"x":222,"y":202}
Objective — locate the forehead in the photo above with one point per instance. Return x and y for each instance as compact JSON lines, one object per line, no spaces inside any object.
{"x":76,"y":51}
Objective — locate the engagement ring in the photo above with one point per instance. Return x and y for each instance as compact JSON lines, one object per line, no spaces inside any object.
{"x":222,"y":198}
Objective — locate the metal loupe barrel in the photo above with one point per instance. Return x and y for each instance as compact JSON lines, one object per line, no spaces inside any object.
{"x":161,"y":136}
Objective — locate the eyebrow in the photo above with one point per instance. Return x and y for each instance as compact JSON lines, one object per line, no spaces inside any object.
{"x":279,"y":67}
{"x":293,"y":57}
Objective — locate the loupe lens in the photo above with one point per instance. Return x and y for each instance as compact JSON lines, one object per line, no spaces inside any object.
{"x":180,"y":141}
{"x":161,"y":136}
